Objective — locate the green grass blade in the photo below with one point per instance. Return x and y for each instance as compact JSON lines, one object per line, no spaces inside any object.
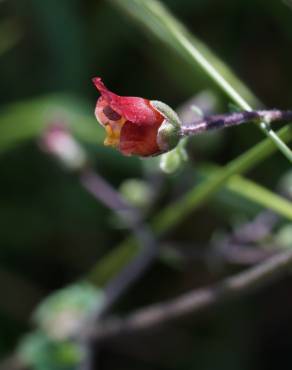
{"x":254,"y":192}
{"x":157,"y":20}
{"x":261,"y":195}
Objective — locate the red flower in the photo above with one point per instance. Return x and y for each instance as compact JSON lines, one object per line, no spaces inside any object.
{"x":132,"y":124}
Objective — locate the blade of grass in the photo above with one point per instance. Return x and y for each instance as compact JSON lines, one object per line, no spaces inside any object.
{"x":164,"y":26}
{"x":261,"y":195}
{"x":173,"y":214}
{"x":148,"y":14}
{"x":23,"y":121}
{"x":256,"y":193}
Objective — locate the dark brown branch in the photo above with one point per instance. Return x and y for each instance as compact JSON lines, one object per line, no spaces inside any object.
{"x":197,"y":300}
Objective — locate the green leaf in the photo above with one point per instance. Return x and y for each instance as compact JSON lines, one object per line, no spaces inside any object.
{"x":39,"y":352}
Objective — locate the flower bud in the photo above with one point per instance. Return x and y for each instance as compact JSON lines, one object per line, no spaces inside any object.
{"x":134,"y":125}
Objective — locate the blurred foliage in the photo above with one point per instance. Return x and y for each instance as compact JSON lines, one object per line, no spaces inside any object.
{"x":40,"y":352}
{"x":137,"y":192}
{"x":61,"y":314}
{"x":52,"y":232}
{"x":59,"y":318}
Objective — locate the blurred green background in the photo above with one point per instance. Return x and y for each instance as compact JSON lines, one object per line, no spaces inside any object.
{"x":52,"y":232}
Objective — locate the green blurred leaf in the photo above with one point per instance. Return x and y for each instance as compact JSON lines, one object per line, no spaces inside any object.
{"x":24,"y":121}
{"x":256,"y":193}
{"x":62,"y":314}
{"x":283,"y":237}
{"x":39,"y":352}
{"x":137,"y":192}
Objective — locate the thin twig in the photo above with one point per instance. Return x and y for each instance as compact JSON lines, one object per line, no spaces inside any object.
{"x":197,"y":300}
{"x":240,"y":246}
{"x":234,"y":119}
{"x":103,"y":192}
{"x":106,"y":194}
{"x":220,"y":253}
{"x":257,"y":229}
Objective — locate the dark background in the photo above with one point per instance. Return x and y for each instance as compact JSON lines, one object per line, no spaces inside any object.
{"x":52,"y":232}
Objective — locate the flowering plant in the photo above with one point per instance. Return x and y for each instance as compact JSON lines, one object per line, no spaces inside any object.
{"x":136,"y":126}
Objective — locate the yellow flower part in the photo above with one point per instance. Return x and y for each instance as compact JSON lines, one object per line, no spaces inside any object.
{"x":113,"y":131}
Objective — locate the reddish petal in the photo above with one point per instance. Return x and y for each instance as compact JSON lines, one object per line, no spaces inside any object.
{"x":139,"y":140}
{"x":134,"y":109}
{"x":106,"y":94}
{"x":99,"y":114}
{"x":137,"y":110}
{"x":132,"y":123}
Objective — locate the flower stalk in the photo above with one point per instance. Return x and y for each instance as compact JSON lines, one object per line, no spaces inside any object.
{"x":219,"y":121}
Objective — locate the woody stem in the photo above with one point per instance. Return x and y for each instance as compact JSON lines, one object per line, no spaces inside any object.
{"x":233,"y":119}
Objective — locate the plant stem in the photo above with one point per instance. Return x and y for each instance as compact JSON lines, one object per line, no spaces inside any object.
{"x":104,"y":193}
{"x":233,"y":119}
{"x":197,"y":300}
